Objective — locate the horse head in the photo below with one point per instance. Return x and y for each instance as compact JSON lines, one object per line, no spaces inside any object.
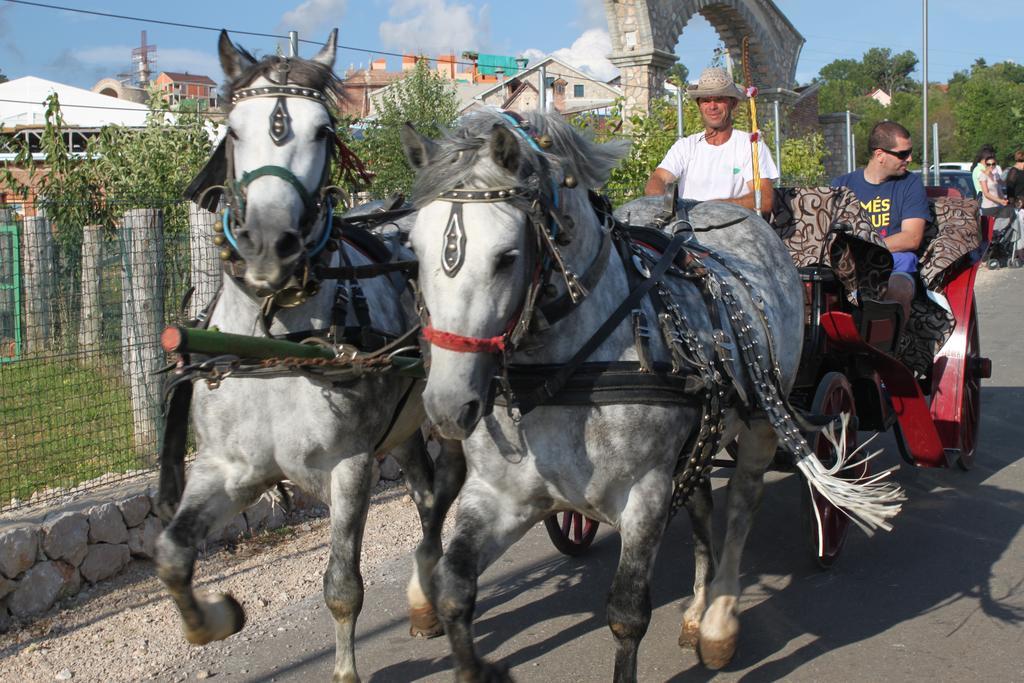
{"x":278,"y":150}
{"x":501,"y":200}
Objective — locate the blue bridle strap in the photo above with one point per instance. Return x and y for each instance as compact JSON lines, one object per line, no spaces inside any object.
{"x":321,"y":243}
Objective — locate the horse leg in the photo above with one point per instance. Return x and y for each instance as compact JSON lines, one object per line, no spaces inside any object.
{"x":484,"y":529}
{"x":433,"y":489}
{"x":343,"y":584}
{"x":206,"y":503}
{"x":700,"y":506}
{"x":629,"y":601}
{"x":719,"y":629}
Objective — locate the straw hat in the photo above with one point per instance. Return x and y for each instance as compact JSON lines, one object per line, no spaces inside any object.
{"x":716,"y":82}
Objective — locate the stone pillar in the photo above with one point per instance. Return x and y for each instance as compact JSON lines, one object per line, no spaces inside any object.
{"x":204,"y":261}
{"x":37,"y":274}
{"x":142,"y":321}
{"x":90,"y":312}
{"x":643,"y":77}
{"x":833,"y":128}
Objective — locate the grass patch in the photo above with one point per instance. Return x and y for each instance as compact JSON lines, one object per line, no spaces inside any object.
{"x":61,"y":423}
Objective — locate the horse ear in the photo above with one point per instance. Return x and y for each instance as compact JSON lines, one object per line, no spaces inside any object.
{"x":327,"y":52}
{"x":419,"y":150}
{"x":505,"y":148}
{"x":232,"y":60}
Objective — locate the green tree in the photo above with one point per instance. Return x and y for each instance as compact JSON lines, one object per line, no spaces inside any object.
{"x":989,"y":109}
{"x":151,"y":166}
{"x":423,"y":99}
{"x":3,"y":78}
{"x":678,"y":74}
{"x":889,"y":72}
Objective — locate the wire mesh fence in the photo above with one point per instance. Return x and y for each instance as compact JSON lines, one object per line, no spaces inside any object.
{"x":81,"y":310}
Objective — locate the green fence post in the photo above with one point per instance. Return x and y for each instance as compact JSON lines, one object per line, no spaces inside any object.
{"x":10,"y":289}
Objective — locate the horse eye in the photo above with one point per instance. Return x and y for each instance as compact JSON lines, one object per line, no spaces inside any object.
{"x":322,"y":132}
{"x":507,"y":259}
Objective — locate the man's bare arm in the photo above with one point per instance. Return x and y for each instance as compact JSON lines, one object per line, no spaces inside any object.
{"x":909,"y":237}
{"x":747,"y":200}
{"x":657,"y":184}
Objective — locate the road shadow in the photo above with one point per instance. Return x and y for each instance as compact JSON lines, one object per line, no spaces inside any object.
{"x":953,"y":528}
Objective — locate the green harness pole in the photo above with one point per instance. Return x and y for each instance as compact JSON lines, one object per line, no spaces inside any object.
{"x":181,"y":339}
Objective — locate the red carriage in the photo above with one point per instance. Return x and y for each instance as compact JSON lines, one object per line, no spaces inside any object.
{"x":920,"y":377}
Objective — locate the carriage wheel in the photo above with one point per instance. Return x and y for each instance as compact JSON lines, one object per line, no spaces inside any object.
{"x":975,"y":369}
{"x":571,"y":532}
{"x":827,"y":525}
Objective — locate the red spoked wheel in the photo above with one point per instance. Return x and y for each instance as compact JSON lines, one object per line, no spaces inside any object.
{"x":976,"y":368}
{"x":571,"y":532}
{"x":826,"y":525}
{"x":956,"y":385}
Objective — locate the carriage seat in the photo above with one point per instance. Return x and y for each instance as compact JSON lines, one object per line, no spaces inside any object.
{"x":824,"y":228}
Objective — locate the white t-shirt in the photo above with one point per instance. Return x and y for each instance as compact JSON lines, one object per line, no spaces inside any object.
{"x":717,"y":171}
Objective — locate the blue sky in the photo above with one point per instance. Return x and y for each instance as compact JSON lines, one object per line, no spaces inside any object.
{"x":79,"y":49}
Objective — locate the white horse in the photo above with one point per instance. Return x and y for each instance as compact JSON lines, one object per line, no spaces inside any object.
{"x":318,"y":431}
{"x":519,"y":286}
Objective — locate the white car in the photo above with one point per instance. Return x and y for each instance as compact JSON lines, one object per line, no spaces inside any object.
{"x":951,"y":166}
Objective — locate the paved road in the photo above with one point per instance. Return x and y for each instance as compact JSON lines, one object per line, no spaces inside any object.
{"x":940,"y":598}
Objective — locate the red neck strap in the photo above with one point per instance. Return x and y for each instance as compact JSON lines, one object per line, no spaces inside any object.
{"x":456,"y":342}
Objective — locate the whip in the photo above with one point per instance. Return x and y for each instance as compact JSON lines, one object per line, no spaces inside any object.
{"x":755,"y":135}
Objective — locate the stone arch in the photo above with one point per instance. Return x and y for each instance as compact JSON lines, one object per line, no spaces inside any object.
{"x":644,"y":35}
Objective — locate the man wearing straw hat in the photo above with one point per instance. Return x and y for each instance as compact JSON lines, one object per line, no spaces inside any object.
{"x":717,"y":163}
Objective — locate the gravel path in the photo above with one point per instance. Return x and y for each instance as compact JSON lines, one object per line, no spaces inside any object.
{"x":127,"y":629}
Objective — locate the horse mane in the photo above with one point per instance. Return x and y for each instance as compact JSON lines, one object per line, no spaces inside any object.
{"x":463,"y":157}
{"x":303,"y":72}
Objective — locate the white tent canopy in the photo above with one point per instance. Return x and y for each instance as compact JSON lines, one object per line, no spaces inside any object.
{"x":23,"y":103}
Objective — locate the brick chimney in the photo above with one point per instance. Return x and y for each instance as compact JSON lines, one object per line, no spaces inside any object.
{"x":558,"y":94}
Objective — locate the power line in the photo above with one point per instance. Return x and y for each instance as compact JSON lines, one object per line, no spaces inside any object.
{"x":147,"y":110}
{"x":200,"y":27}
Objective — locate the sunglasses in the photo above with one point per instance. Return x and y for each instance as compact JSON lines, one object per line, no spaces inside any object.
{"x":990,"y":163}
{"x":902,"y":154}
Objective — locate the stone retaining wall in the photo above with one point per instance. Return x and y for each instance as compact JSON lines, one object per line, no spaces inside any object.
{"x":41,"y":564}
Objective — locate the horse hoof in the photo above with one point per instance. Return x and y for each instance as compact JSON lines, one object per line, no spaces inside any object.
{"x":222,"y":617}
{"x":488,"y":673}
{"x":717,"y":653}
{"x":689,"y":635}
{"x":423,"y":623}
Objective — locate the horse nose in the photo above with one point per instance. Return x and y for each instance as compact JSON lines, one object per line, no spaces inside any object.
{"x":468,"y":416}
{"x":287,"y":245}
{"x":457,"y":424}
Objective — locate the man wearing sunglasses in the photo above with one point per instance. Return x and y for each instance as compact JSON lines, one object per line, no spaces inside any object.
{"x":895,"y":202}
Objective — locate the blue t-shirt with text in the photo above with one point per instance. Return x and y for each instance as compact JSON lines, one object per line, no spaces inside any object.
{"x":887,"y":205}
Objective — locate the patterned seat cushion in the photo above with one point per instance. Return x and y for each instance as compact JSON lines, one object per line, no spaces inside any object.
{"x":824,"y":226}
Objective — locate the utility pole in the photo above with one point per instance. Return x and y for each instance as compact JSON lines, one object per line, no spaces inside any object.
{"x":924,"y":91}
{"x":293,"y":43}
{"x":778,"y":136}
{"x":542,"y":88}
{"x":679,"y":112}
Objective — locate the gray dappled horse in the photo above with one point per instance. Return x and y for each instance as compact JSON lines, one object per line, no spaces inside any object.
{"x":320,"y":432}
{"x":670,"y":356}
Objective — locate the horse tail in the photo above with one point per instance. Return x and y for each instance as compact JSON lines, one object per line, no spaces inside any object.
{"x":177,"y":402}
{"x":867,"y":499}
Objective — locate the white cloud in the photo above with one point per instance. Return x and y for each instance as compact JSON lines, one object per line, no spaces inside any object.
{"x":435,"y":26}
{"x":592,"y":14}
{"x":588,"y":53}
{"x":313,"y":18}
